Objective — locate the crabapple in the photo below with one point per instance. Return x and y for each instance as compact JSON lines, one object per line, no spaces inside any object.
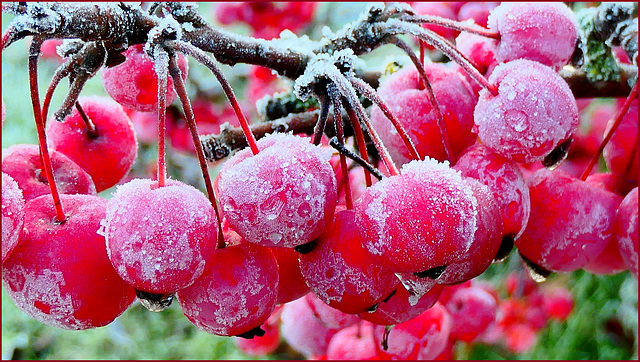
{"x":570,"y":224}
{"x":341,"y":272}
{"x":134,"y":82}
{"x":235,"y":294}
{"x":23,"y":163}
{"x":353,"y":343}
{"x":283,"y":196}
{"x":12,"y":214}
{"x":542,"y":32}
{"x":532,"y":113}
{"x":472,"y":311}
{"x":59,"y":273}
{"x":423,"y":218}
{"x":618,"y":152}
{"x":625,"y":230}
{"x":159,"y":238}
{"x":407,"y":98}
{"x":292,"y":285}
{"x":106,"y":153}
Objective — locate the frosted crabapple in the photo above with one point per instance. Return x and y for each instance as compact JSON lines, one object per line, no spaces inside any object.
{"x":292,"y":285}
{"x":625,"y":230}
{"x":283,"y":196}
{"x":266,"y":344}
{"x":341,"y":272}
{"x":486,"y":242}
{"x":236,"y":292}
{"x":353,"y":343}
{"x":408,"y":100}
{"x":478,"y":49}
{"x":532,"y":113}
{"x":159,"y":238}
{"x":106,"y":149}
{"x":421,"y":219}
{"x":472,"y":311}
{"x":542,"y":32}
{"x":12,"y":214}
{"x":506,"y":182}
{"x":134,"y":82}
{"x":570,"y":224}
{"x":59,"y":273}
{"x":24,"y":164}
{"x":619,"y":152}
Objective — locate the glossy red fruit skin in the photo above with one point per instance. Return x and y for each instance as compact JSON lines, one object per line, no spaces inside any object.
{"x":408,"y":100}
{"x":421,"y":219}
{"x":12,"y":215}
{"x":134,"y":83}
{"x":353,"y":343}
{"x":23,"y":163}
{"x":571,"y":221}
{"x":341,"y":272}
{"x":292,"y":285}
{"x":159,"y":238}
{"x":59,"y":273}
{"x":626,"y":230}
{"x":236,"y":292}
{"x":109,"y":156}
{"x":617,"y":153}
{"x":472,"y":311}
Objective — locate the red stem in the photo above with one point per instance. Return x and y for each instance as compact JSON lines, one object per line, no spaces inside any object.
{"x":162,"y":117}
{"x":34,"y":52}
{"x":605,"y":141}
{"x":362,"y":146}
{"x":337,"y":111}
{"x":191,"y":121}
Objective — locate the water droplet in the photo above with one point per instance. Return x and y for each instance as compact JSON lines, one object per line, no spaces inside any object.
{"x":154,"y":302}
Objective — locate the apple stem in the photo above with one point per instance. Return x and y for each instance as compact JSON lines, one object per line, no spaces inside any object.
{"x":337,"y":121}
{"x":92,"y":132}
{"x":34,"y":53}
{"x":362,"y":145}
{"x":161,"y":67}
{"x":322,"y":120}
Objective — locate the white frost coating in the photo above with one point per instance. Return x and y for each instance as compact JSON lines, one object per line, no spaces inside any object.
{"x":44,"y":289}
{"x":12,"y":214}
{"x":378,"y":213}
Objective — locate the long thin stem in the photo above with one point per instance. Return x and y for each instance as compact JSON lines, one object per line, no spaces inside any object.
{"x":34,"y":52}
{"x":61,"y":72}
{"x":618,"y":118}
{"x":362,"y":145}
{"x":395,"y":27}
{"x":203,"y":58}
{"x":92,"y":132}
{"x":333,"y":142}
{"x":178,"y":82}
{"x":435,"y":106}
{"x":336,"y":99}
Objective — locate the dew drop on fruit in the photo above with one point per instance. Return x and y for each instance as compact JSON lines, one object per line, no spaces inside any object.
{"x":154,"y":302}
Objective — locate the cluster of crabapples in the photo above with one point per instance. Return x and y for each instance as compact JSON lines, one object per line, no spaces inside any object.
{"x":285,"y":242}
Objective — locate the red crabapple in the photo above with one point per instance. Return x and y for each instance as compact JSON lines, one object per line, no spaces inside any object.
{"x":625,"y":230}
{"x":266,"y":344}
{"x":472,"y":311}
{"x":59,"y":274}
{"x":12,"y":214}
{"x":486,"y":241}
{"x":303,"y":330}
{"x":353,"y":343}
{"x":505,"y":180}
{"x":159,"y":238}
{"x":235,"y":294}
{"x":402,"y":306}
{"x":533,"y":112}
{"x":292,"y":285}
{"x":571,"y":221}
{"x":341,"y":272}
{"x":422,"y":337}
{"x":283,"y":196}
{"x":421,"y":219}
{"x":134,"y":83}
{"x":106,"y":154}
{"x":477,"y":10}
{"x":478,"y":49}
{"x":329,"y":316}
{"x":542,"y":32}
{"x":558,"y":302}
{"x":408,"y":100}
{"x":23,"y":163}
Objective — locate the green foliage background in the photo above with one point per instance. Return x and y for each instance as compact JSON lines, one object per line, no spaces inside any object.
{"x":603,"y":325}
